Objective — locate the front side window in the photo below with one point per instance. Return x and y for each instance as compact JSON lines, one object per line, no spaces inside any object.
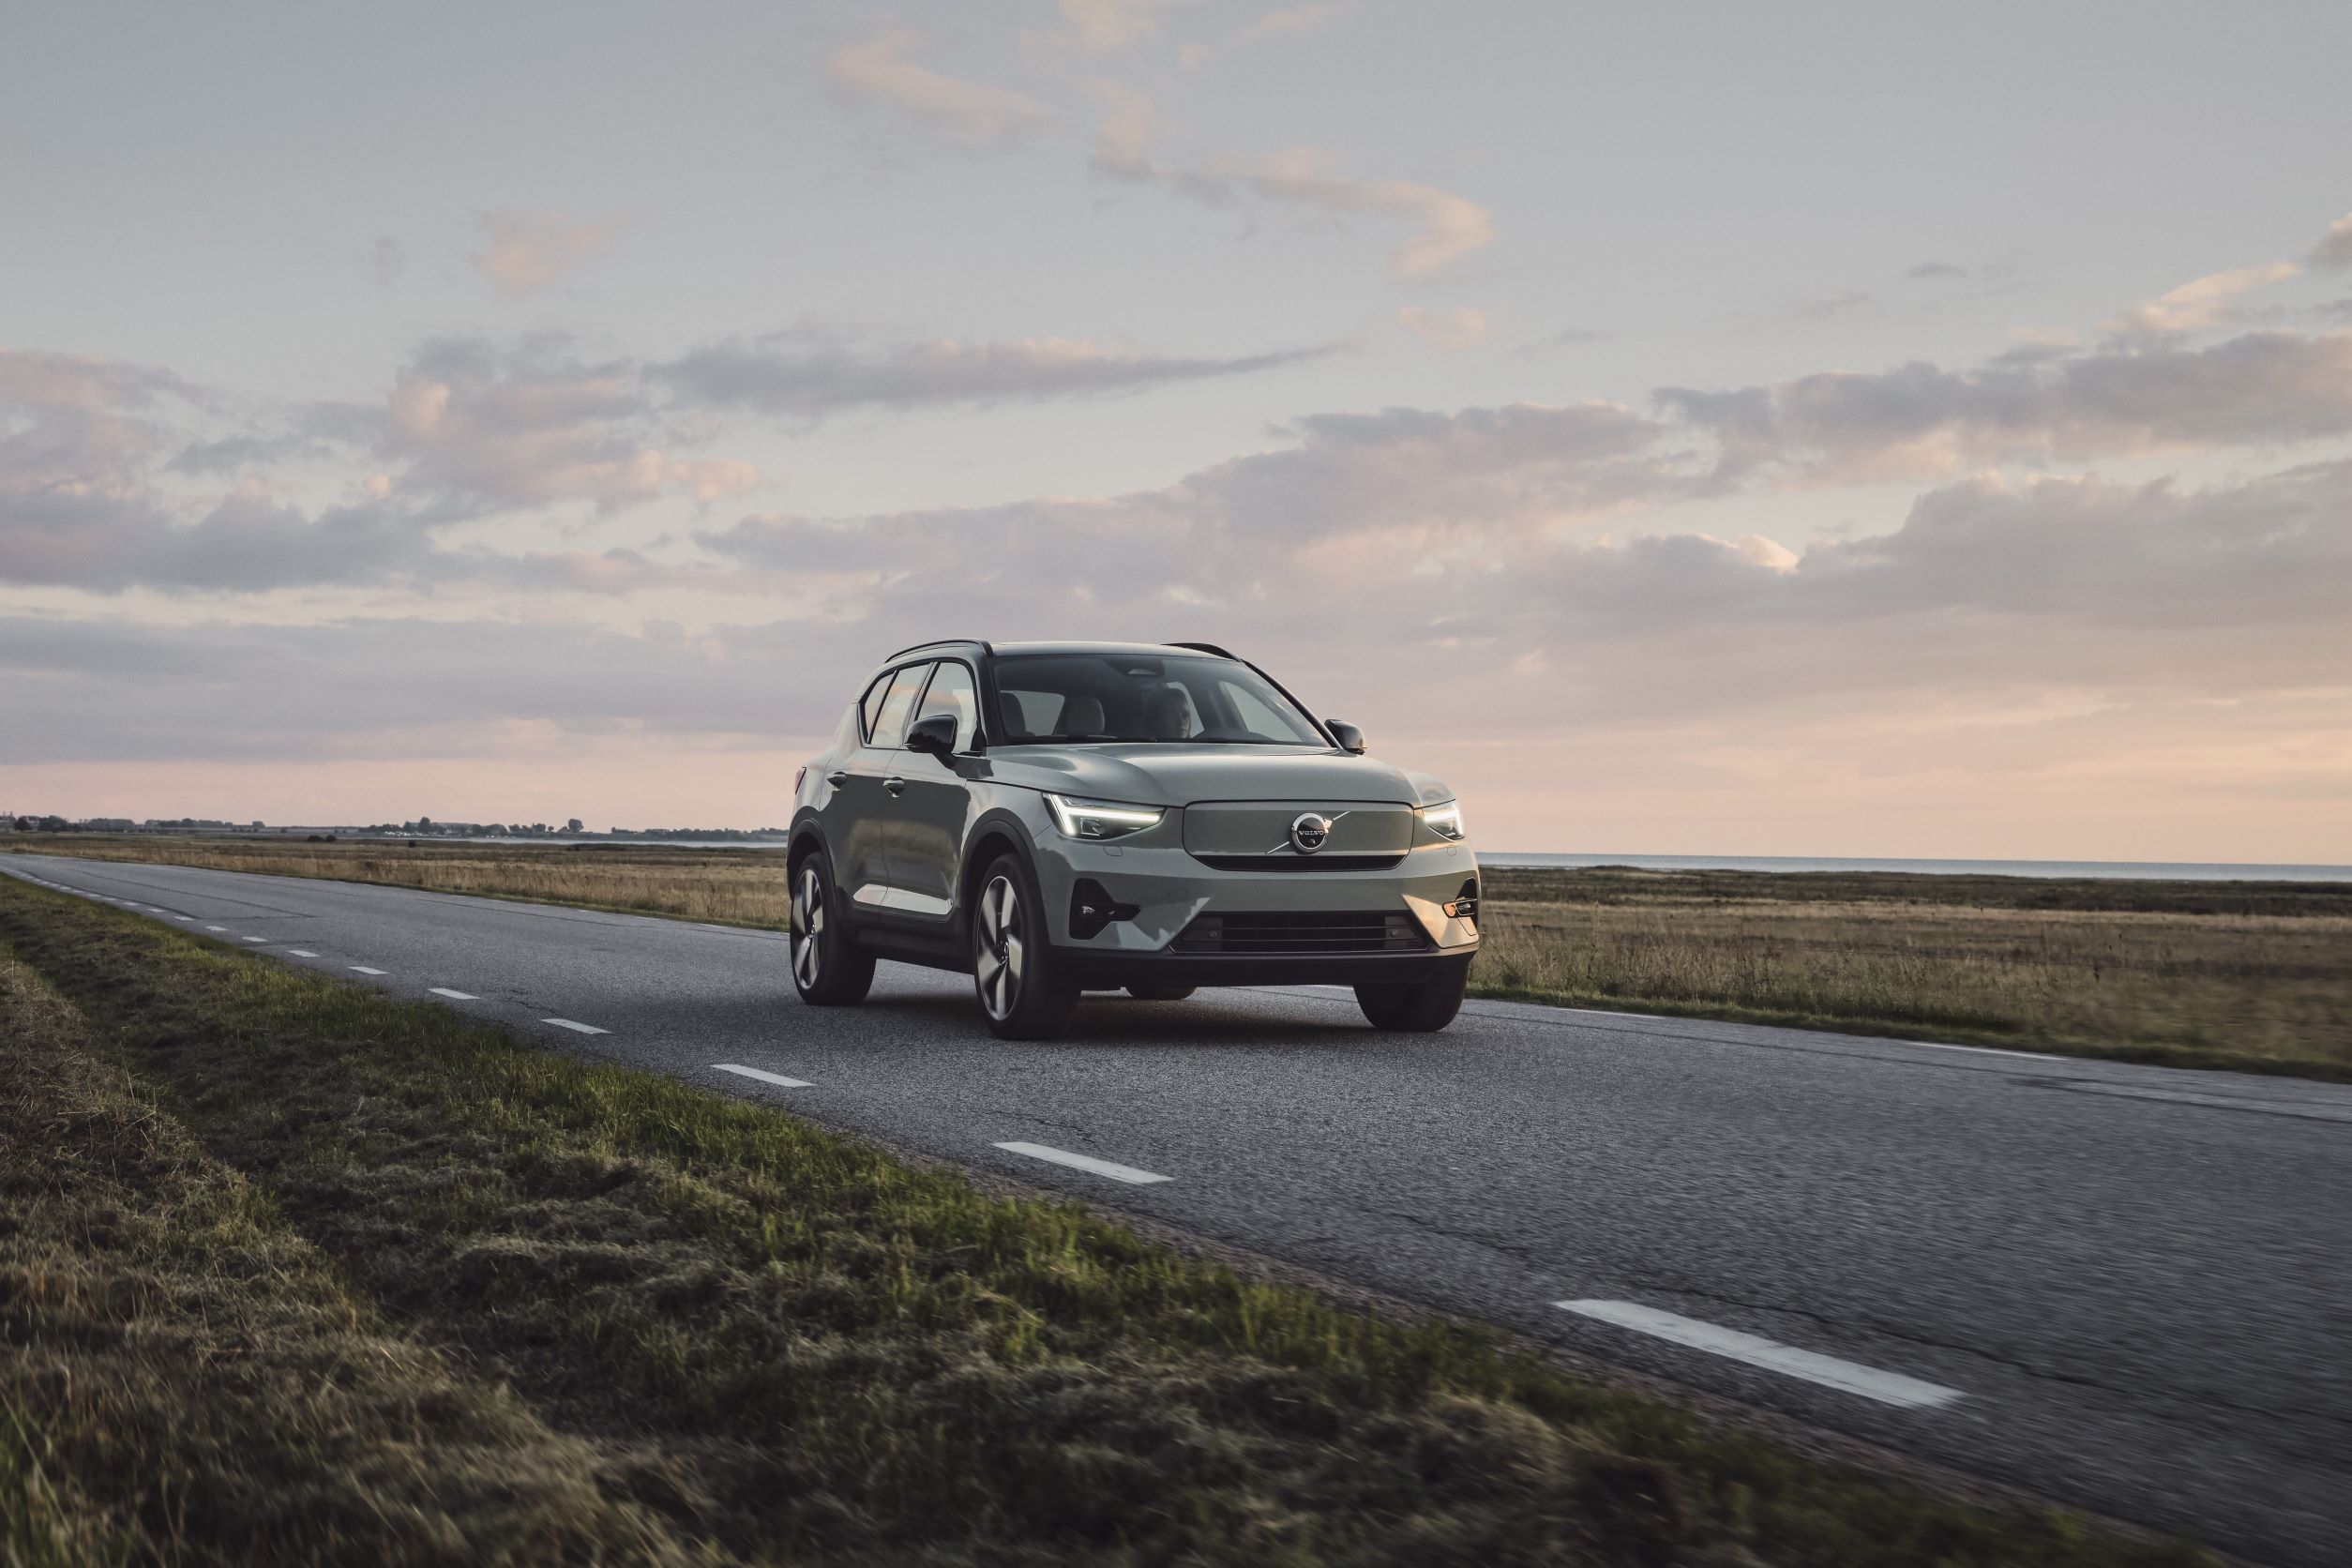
{"x":870,"y":706}
{"x":1120,"y":697}
{"x":889,"y":725}
{"x":951,"y":692}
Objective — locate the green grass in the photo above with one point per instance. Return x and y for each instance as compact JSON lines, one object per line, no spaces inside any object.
{"x":292,"y":1273}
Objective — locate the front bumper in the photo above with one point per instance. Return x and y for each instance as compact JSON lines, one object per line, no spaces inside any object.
{"x":1161,"y":889}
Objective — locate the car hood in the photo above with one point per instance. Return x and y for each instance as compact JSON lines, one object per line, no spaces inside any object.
{"x":1162,"y":774}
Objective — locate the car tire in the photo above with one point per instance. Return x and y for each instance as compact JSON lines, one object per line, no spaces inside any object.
{"x":1012,"y":956}
{"x":1423,"y":1007}
{"x":828,"y":970}
{"x":1161,"y":993}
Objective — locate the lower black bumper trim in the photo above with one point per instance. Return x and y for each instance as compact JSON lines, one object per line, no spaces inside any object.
{"x":1094,"y":970}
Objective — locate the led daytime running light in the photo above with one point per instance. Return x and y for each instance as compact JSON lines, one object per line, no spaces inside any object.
{"x":1085,"y":819}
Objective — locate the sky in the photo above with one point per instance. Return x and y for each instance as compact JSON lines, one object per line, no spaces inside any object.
{"x":1841,"y":429}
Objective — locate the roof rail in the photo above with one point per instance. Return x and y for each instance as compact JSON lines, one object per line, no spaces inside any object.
{"x":1204,"y":648}
{"x":942,"y":642}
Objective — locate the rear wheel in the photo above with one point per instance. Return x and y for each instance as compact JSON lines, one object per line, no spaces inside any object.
{"x":1420,"y":1008}
{"x":827,"y":970}
{"x":1012,"y":962}
{"x":1161,"y":993}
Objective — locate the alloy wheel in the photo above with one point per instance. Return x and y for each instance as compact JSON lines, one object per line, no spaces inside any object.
{"x":997,"y":969}
{"x":808,"y":927}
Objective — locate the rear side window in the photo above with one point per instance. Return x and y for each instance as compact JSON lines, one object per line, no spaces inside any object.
{"x":951,"y":692}
{"x":888,"y":725}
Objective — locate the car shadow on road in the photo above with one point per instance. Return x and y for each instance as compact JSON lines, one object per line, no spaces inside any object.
{"x":1112,"y":1019}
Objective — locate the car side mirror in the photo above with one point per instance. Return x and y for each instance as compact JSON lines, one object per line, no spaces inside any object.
{"x":1348,"y":736}
{"x":934,"y":736}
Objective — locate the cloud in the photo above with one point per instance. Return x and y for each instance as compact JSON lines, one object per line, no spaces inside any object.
{"x":1293,"y":21}
{"x":32,"y":379}
{"x":1387,"y":494}
{"x":524,"y":252}
{"x":1932,"y":271}
{"x":529,"y":426}
{"x":2334,"y":248}
{"x":1448,"y":331}
{"x":1130,"y":124}
{"x":1833,"y":304}
{"x":1103,"y":26}
{"x":1446,"y":228}
{"x":1919,"y":420}
{"x":879,"y":68}
{"x":468,"y":430}
{"x":2201,"y":303}
{"x":808,"y":373}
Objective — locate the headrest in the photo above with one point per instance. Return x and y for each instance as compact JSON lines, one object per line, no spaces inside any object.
{"x":1015,"y":721}
{"x":1080,"y":715}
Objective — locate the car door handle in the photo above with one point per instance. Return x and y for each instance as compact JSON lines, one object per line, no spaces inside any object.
{"x":836,"y":778}
{"x":895,"y":784}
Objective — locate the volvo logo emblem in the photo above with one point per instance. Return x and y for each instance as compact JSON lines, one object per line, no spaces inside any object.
{"x":1308,"y":832}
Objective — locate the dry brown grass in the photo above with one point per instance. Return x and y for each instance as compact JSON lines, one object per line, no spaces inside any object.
{"x":2258,"y":985}
{"x":739,"y":887}
{"x":2196,"y":974}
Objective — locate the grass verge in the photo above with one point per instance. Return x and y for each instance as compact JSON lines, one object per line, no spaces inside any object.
{"x":291,"y":1272}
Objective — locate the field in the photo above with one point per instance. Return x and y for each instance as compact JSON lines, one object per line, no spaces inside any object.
{"x":2243,"y":974}
{"x":2246,"y":975}
{"x":294,"y":1274}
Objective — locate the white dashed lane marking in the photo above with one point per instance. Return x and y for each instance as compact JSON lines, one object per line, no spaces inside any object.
{"x":454,"y":996}
{"x":1084,"y":1162}
{"x":776,"y":1078}
{"x":302,"y":953}
{"x":215,"y":928}
{"x":579,"y":1027}
{"x":364,"y":969}
{"x":257,"y":939}
{"x":1890,"y":1388}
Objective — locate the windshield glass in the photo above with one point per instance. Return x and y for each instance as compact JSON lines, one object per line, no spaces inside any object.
{"x":1123,"y":696}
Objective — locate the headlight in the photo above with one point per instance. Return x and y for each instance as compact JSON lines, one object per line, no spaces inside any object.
{"x":1095,"y":819}
{"x":1444,"y":821}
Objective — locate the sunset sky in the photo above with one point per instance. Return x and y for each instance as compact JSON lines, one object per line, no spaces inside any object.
{"x":1845,"y":430}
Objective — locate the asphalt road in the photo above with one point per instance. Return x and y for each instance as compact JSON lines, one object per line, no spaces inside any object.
{"x":2124,"y":1287}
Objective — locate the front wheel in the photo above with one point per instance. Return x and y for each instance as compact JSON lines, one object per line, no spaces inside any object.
{"x":1422,"y":1007}
{"x":828,"y":971}
{"x":1012,"y":958}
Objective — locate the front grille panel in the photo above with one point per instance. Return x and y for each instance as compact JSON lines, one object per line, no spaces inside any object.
{"x":1297,"y":931}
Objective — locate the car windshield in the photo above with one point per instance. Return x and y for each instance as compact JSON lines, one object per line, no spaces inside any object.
{"x":1129,"y":697}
